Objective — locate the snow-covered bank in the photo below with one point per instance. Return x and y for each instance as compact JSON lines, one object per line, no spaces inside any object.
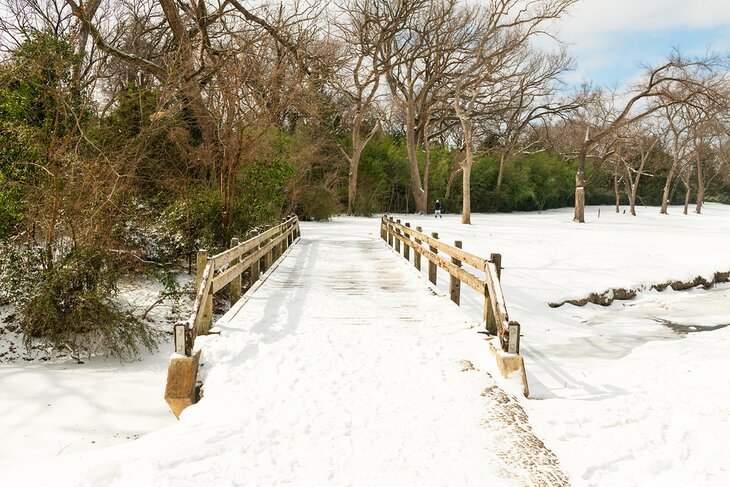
{"x":51,"y":405}
{"x":622,"y":395}
{"x":48,"y":410}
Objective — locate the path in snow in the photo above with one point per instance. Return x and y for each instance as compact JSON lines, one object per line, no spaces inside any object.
{"x":342,"y":368}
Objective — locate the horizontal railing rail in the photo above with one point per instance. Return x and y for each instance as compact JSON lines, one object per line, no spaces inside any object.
{"x":225,"y":269}
{"x":495,"y":310}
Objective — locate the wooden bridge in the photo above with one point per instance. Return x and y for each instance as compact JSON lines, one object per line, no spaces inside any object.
{"x":347,"y":275}
{"x":345,"y":366}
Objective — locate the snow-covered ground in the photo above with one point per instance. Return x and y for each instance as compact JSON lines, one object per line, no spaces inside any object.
{"x":636,"y":393}
{"x":51,"y":405}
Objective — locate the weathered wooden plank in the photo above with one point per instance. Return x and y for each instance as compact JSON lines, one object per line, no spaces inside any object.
{"x":497,"y":305}
{"x":205,"y":318}
{"x":203,"y":301}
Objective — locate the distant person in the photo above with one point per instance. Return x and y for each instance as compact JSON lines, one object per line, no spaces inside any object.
{"x":438,"y":210}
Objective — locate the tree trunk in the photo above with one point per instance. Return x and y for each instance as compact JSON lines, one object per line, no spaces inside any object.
{"x":615,"y":192}
{"x":352,"y":180}
{"x":687,"y":193}
{"x":700,"y":187}
{"x":632,"y":202}
{"x":419,"y":195}
{"x":90,"y":9}
{"x":466,"y":184}
{"x":580,"y":197}
{"x":667,"y":188}
{"x":500,"y":174}
{"x":351,"y":188}
{"x":426,"y":166}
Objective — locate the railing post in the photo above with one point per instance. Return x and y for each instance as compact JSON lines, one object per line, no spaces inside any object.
{"x":417,"y":255}
{"x":390,"y":235}
{"x":406,"y":247}
{"x":207,"y":318}
{"x":282,"y":244}
{"x":490,"y":319}
{"x":432,"y":267}
{"x":268,"y":256}
{"x":455,"y":283}
{"x":274,"y":248}
{"x":497,"y":260}
{"x":256,"y":264}
{"x":200,"y":260}
{"x":235,"y":289}
{"x":262,"y":259}
{"x":397,"y":240}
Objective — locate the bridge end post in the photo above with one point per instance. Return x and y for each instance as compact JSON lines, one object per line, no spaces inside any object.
{"x":182,"y":381}
{"x":497,"y":260}
{"x":513,"y":342}
{"x":397,"y":240}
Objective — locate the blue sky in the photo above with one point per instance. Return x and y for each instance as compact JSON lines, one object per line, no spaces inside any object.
{"x":611,"y":39}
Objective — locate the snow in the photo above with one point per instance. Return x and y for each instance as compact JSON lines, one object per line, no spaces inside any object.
{"x":53,"y":409}
{"x":619,"y":395}
{"x":345,"y":368}
{"x":51,"y":405}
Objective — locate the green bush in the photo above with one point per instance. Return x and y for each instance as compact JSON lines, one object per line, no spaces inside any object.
{"x":317,"y":204}
{"x":72,"y":307}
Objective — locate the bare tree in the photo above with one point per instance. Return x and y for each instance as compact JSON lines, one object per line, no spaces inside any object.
{"x":532,"y":99}
{"x":503,"y":83}
{"x":635,"y":151}
{"x":198,"y":56}
{"x":358,"y":80}
{"x":659,"y":89}
{"x":677,"y":141}
{"x":426,"y":44}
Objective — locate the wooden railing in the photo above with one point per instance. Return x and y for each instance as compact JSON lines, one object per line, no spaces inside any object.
{"x":225,"y":269}
{"x":495,"y":310}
